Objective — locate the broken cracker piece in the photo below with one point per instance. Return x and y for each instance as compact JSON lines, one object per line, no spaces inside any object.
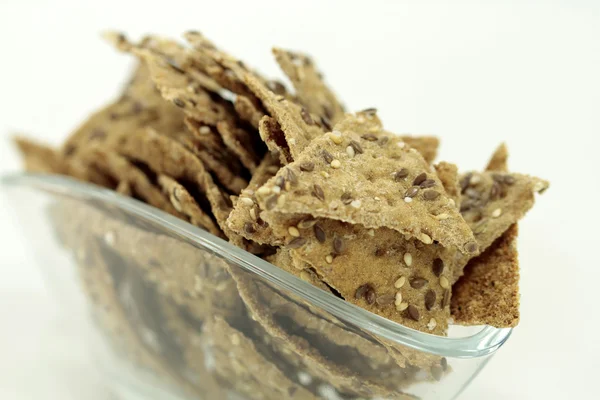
{"x":377,"y":184}
{"x":448,"y":174}
{"x":426,"y":145}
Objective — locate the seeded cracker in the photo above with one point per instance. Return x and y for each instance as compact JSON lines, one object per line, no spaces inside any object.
{"x":488,"y":292}
{"x":377,"y":184}
{"x":448,"y":174}
{"x":237,"y":360}
{"x":186,"y":204}
{"x":426,"y":145}
{"x":271,"y":133}
{"x":311,"y":90}
{"x":248,"y":111}
{"x":120,"y":169}
{"x":245,"y":219}
{"x":283,"y":260}
{"x":339,"y":376}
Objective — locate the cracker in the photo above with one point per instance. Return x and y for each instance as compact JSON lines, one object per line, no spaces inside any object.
{"x":371,"y":186}
{"x":493,"y":201}
{"x":271,"y":133}
{"x":239,"y":141}
{"x":448,"y":174}
{"x":283,"y":260}
{"x":124,"y":188}
{"x":237,"y":360}
{"x":248,"y":111}
{"x":245,"y":219}
{"x":499,"y":160}
{"x":259,"y":299}
{"x":426,"y":145}
{"x":185,"y":203}
{"x":311,"y":90}
{"x":488,"y":292}
{"x":120,"y":169}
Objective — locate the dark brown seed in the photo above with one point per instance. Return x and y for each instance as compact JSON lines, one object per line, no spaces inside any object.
{"x":431,"y":195}
{"x":400,"y":174}
{"x":370,"y":137}
{"x":338,"y":245}
{"x":444,"y":363}
{"x":271,"y":202}
{"x":370,"y":295}
{"x":319,"y":233}
{"x":356,"y":146}
{"x":291,"y":176}
{"x":471,"y":247}
{"x":307,"y":166}
{"x":385,"y":299}
{"x":280,"y":181}
{"x":347,"y":198}
{"x":438,"y":266}
{"x":429,"y":299}
{"x":249,"y":227}
{"x":276,"y":87}
{"x":437,"y":372}
{"x":114,"y":116}
{"x":307,"y":223}
{"x":326,"y":122}
{"x":413,"y":312}
{"x":383,"y":140}
{"x":427,"y":183}
{"x":446,"y":298}
{"x":97,"y":134}
{"x":318,"y":192}
{"x":261,"y":221}
{"x":411,"y":191}
{"x":464,"y":182}
{"x":360,"y":292}
{"x":418,"y":283}
{"x":179,"y":103}
{"x":306,"y":117}
{"x":327,"y":156}
{"x":296,"y":242}
{"x":420,"y":179}
{"x":380,"y":252}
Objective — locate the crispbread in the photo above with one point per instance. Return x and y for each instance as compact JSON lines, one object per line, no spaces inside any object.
{"x":334,"y":182}
{"x":248,"y":111}
{"x":283,"y":260}
{"x":311,"y":90}
{"x":448,"y":174}
{"x":185,"y":203}
{"x":426,"y":145}
{"x":271,"y":133}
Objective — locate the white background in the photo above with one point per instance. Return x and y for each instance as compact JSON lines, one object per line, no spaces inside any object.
{"x":525,"y":73}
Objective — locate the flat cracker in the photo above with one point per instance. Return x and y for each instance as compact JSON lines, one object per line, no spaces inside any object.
{"x":238,"y":361}
{"x":310,"y":87}
{"x":248,"y":111}
{"x":374,"y":194}
{"x":121,"y":170}
{"x":245,"y":219}
{"x":185,"y":203}
{"x":493,"y":201}
{"x":426,"y":145}
{"x":243,"y":144}
{"x":271,"y":133}
{"x":283,"y":260}
{"x":448,"y":174}
{"x":499,"y":160}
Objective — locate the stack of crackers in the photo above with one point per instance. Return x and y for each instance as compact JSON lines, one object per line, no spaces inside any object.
{"x":291,"y":176}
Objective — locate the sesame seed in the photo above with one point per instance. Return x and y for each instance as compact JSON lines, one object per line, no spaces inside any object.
{"x":442,"y":216}
{"x":307,"y":166}
{"x":328,"y":258}
{"x":444,"y":283}
{"x":355,"y":203}
{"x":247,"y":201}
{"x":253,"y":214}
{"x":475,"y":179}
{"x":336,"y":137}
{"x":336,"y":164}
{"x":305,"y":276}
{"x":371,"y":232}
{"x":496,"y":213}
{"x":235,"y":339}
{"x":451,"y":202}
{"x":425,"y":238}
{"x":432,"y":324}
{"x":292,"y":230}
{"x":446,"y":298}
{"x":401,"y":145}
{"x":407,"y":199}
{"x":398,"y":298}
{"x":350,"y":151}
{"x":400,"y":282}
{"x":324,"y":174}
{"x":402,"y":306}
{"x":408,"y":259}
{"x":204,"y":130}
{"x":109,"y":238}
{"x":276,"y":189}
{"x":263,"y":190}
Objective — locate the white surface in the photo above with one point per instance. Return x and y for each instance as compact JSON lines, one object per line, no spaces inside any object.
{"x":526,"y":73}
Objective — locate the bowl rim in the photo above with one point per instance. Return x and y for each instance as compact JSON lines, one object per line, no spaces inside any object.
{"x":482,"y":343}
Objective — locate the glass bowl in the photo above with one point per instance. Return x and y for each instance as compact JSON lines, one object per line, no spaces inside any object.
{"x":173,"y":312}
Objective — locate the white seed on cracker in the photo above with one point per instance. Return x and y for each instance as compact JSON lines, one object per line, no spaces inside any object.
{"x":402,"y":306}
{"x":235,"y":340}
{"x":292,"y":230}
{"x":276,"y":189}
{"x":246,"y":201}
{"x":444,"y":283}
{"x":253,"y":214}
{"x":336,"y":137}
{"x":442,"y":216}
{"x":350,"y":151}
{"x":496,"y":213}
{"x":371,"y":232}
{"x":205,"y":130}
{"x":407,"y":199}
{"x":408,"y":259}
{"x":432,"y":324}
{"x":355,"y":203}
{"x":109,"y":238}
{"x":401,"y":144}
{"x":263,"y":190}
{"x":336,"y":164}
{"x":425,"y":238}
{"x":475,"y":179}
{"x":400,"y":282}
{"x":328,"y":258}
{"x":398,"y":298}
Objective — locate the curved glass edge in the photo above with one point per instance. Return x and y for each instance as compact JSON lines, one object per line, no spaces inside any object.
{"x":480,"y":344}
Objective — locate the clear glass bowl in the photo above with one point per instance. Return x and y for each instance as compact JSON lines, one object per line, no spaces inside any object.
{"x":173,"y":312}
